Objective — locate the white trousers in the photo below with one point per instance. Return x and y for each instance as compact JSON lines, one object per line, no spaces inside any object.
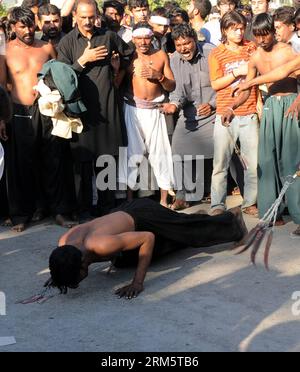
{"x":147,"y":133}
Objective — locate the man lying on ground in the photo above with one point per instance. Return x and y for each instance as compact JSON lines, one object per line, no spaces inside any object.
{"x":136,"y":225}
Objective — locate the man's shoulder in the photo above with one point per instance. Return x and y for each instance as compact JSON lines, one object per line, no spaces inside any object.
{"x":206,"y":47}
{"x":217,"y":51}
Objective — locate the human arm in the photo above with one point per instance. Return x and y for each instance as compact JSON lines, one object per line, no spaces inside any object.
{"x":218,"y":79}
{"x":89,"y":54}
{"x":165,"y":77}
{"x":240,"y":99}
{"x":3,"y":135}
{"x":177,"y":97}
{"x":107,"y":246}
{"x":67,"y":7}
{"x":3,"y":71}
{"x":277,"y":74}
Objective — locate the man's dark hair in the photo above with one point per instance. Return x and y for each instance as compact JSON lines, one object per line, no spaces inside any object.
{"x":263,"y":25}
{"x":204,"y":7}
{"x":230,"y":19}
{"x":183,"y":30}
{"x":141,"y":25}
{"x":178,"y":12}
{"x":235,"y":2}
{"x":160,"y":11}
{"x":64,"y":265}
{"x":21,"y":14}
{"x":48,"y":9}
{"x":114,"y":4}
{"x":138,"y":4}
{"x":297,"y":16}
{"x":5,"y":106}
{"x":87,"y":2}
{"x":285,"y":14}
{"x":32,"y":3}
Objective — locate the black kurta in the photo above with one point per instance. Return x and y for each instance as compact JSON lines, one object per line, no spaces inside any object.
{"x":104,"y":130}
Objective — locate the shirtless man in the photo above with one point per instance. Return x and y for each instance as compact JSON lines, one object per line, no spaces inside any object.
{"x":135,"y":225}
{"x":150,"y":77}
{"x":34,"y":157}
{"x":279,"y":144}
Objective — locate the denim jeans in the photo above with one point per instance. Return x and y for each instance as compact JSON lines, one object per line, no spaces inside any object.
{"x":246,"y":129}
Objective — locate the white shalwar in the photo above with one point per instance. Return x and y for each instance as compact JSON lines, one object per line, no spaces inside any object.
{"x":1,"y":161}
{"x":147,"y":133}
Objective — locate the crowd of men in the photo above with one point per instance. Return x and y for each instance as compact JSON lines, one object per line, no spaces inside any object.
{"x":158,"y":83}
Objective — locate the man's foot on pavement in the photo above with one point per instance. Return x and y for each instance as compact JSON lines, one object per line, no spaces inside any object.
{"x":251,"y":211}
{"x":19,"y":228}
{"x":7,"y":223}
{"x":64,"y":222}
{"x":38,"y":215}
{"x":179,"y":204}
{"x":280,"y":222}
{"x":297,"y":232}
{"x":217,"y":212}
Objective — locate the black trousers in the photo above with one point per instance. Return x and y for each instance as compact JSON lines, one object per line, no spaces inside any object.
{"x":39,"y":167}
{"x":106,"y":198}
{"x":193,"y":230}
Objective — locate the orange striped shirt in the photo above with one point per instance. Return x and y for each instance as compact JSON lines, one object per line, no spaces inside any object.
{"x":221,"y":63}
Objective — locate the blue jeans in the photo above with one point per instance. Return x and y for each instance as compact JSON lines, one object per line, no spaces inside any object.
{"x":245,"y":128}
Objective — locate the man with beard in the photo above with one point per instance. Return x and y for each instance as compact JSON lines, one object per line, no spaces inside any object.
{"x":88,"y":49}
{"x":149,"y":77}
{"x":279,"y":138}
{"x":113,"y":13}
{"x":38,"y":175}
{"x":50,"y":23}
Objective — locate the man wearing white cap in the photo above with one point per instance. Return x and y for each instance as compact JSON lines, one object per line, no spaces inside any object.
{"x":160,"y":24}
{"x":150,"y":77}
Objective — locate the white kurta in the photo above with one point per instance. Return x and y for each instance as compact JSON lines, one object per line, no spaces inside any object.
{"x":147,"y":134}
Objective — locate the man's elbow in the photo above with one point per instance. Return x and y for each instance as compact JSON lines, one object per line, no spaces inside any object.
{"x":149,"y":238}
{"x":171,"y":86}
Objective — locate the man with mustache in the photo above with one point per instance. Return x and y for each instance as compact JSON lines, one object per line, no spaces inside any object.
{"x":50,"y":23}
{"x":38,"y":175}
{"x":279,"y":138}
{"x":89,"y":50}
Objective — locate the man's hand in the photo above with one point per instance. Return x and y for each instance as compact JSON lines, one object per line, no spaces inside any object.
{"x":148,"y":72}
{"x":242,"y":87}
{"x":227,"y":117}
{"x":3,"y":135}
{"x":241,"y":70}
{"x":115,"y":62}
{"x":167,"y":108}
{"x":204,"y":110}
{"x":92,"y":55}
{"x":130,"y":291}
{"x":294,"y":109}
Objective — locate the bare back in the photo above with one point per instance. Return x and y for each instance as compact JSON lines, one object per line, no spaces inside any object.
{"x":111,"y":224}
{"x":23,"y":63}
{"x":266,"y":61}
{"x":144,"y":88}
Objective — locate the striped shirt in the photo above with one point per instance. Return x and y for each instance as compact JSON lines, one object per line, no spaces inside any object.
{"x":221,"y":63}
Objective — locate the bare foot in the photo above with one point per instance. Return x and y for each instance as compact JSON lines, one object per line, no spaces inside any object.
{"x":297,"y":232}
{"x":239,"y":217}
{"x":38,"y":215}
{"x":7,"y":223}
{"x":179,"y":204}
{"x":19,"y":228}
{"x":164,"y":204}
{"x":62,"y":221}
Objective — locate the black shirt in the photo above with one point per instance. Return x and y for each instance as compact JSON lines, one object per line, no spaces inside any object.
{"x":104,"y":129}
